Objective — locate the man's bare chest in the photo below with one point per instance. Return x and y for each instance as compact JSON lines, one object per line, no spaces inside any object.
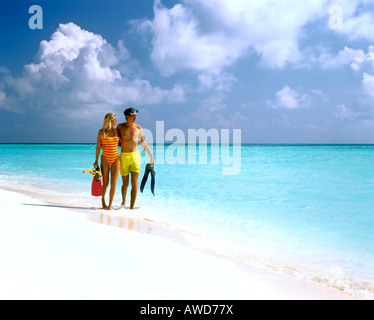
{"x":128,"y":133}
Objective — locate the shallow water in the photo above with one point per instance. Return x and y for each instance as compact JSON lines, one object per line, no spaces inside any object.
{"x":303,"y":209}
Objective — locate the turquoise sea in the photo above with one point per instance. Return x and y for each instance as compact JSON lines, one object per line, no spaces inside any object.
{"x":307,"y":210}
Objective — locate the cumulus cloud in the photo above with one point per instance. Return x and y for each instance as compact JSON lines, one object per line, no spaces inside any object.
{"x":363,"y":115}
{"x":347,"y":56}
{"x":342,"y":112}
{"x":359,"y":27}
{"x":212,"y":104}
{"x":368,"y":84}
{"x":77,"y":73}
{"x":178,"y":44}
{"x":288,"y":98}
{"x":357,"y":59}
{"x":221,"y":82}
{"x":2,"y":98}
{"x":353,"y":19}
{"x":210,"y":35}
{"x":213,"y":112}
{"x":362,"y":61}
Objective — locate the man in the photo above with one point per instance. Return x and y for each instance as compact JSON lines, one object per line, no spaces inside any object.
{"x":130,"y":133}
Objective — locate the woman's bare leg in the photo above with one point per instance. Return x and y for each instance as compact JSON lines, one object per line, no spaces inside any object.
{"x":114,"y":171}
{"x":105,"y":173}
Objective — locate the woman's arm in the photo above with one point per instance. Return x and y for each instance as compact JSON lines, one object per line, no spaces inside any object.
{"x":98,"y":148}
{"x":119,"y":135}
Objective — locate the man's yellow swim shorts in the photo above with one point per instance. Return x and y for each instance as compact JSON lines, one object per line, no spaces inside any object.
{"x":130,"y":162}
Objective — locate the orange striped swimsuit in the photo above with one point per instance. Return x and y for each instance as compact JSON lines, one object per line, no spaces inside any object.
{"x":110,"y":148}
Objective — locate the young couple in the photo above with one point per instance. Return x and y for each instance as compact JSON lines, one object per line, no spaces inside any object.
{"x":127,"y":136}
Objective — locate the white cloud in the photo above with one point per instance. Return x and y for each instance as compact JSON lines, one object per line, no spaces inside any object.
{"x":221,"y":82}
{"x":355,"y":16}
{"x":178,"y":45}
{"x":342,"y":112}
{"x":361,"y":115}
{"x":77,"y":73}
{"x":360,"y":27}
{"x":368,"y":84}
{"x":211,"y":35}
{"x":360,"y":62}
{"x":4,"y":70}
{"x":288,"y":98}
{"x":214,"y":113}
{"x":212,"y":104}
{"x":2,"y":98}
{"x":357,"y":59}
{"x":345,"y":57}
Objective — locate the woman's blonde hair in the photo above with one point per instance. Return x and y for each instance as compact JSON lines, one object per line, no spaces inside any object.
{"x":107,"y":125}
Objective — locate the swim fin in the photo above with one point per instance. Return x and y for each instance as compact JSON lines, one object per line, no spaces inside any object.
{"x":149,"y":169}
{"x":97,"y":186}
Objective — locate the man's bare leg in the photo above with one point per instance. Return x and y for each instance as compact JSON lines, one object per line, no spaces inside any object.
{"x":134,"y":188}
{"x":125,"y":184}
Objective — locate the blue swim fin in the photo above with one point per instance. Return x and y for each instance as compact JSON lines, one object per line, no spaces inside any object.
{"x":153,"y":179}
{"x":148,"y":169}
{"x":144,"y":180}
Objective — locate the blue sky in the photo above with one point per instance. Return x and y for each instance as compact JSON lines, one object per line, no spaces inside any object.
{"x":281,"y":71}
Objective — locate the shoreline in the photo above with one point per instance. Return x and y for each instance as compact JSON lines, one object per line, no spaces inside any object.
{"x":69,"y":256}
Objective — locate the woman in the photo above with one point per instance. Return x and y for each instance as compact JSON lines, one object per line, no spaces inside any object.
{"x":107,"y":139}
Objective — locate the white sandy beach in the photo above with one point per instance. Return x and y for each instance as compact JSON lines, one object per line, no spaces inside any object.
{"x":49,"y":252}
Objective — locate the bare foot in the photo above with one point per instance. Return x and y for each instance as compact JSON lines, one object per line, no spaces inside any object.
{"x":104,"y":204}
